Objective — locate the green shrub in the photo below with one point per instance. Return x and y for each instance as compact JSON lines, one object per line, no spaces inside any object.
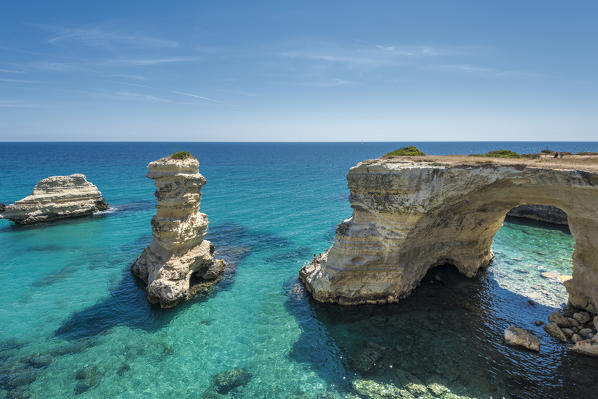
{"x":181,"y":155}
{"x":499,"y":154}
{"x":408,"y":151}
{"x":547,"y":151}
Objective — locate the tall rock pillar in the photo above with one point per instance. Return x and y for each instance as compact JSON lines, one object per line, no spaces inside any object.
{"x":178,"y":262}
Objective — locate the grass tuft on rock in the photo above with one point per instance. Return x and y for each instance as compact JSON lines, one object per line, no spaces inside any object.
{"x":408,"y":151}
{"x":499,"y":154}
{"x":181,"y":155}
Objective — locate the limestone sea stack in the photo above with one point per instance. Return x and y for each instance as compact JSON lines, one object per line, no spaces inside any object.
{"x":413,"y":213}
{"x":178,"y":262}
{"x":57,"y":197}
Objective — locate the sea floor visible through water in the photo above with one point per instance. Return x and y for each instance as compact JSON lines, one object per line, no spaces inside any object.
{"x":74,"y":323}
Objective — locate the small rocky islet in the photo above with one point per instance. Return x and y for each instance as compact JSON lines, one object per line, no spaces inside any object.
{"x":55,"y":198}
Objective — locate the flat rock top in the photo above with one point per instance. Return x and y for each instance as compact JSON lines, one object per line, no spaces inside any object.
{"x":167,"y":166}
{"x":588,"y":163}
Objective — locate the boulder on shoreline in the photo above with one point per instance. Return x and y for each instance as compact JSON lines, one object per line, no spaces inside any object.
{"x":178,"y":263}
{"x":57,"y":197}
{"x":520,"y":337}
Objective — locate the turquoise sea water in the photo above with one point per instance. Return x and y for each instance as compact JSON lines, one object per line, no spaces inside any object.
{"x":75,"y":323}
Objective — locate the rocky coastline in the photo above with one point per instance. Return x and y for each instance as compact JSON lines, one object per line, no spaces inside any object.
{"x":413,"y":213}
{"x":54,"y":198}
{"x":178,"y":263}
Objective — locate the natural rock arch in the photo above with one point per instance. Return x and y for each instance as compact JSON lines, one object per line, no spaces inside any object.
{"x":412,"y":214}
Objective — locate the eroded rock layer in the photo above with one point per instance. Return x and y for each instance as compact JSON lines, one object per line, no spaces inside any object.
{"x":412,"y":214}
{"x":57,"y":197}
{"x":540,"y":213}
{"x":178,"y":262}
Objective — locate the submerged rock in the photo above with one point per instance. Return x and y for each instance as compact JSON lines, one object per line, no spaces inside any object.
{"x":375,"y":390}
{"x":553,"y":329}
{"x":368,"y":356}
{"x":520,"y":337}
{"x":231,"y":379}
{"x":178,"y":263}
{"x":87,"y":377}
{"x":57,"y":197}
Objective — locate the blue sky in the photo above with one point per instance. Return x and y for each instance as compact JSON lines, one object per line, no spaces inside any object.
{"x":299,"y":71}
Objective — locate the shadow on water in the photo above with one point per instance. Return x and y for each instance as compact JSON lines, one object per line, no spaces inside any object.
{"x":449,"y":331}
{"x":535,"y":223}
{"x":127,"y":304}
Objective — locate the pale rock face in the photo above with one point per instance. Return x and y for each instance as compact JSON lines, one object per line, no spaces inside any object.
{"x":57,"y":197}
{"x":178,"y":262}
{"x":520,"y":337}
{"x":411,"y":215}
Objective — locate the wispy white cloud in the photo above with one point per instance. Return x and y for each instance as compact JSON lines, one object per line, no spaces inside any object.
{"x":368,"y":55}
{"x":243,"y":93}
{"x":20,"y":81}
{"x":128,"y":76}
{"x":95,"y":36}
{"x":345,"y":59}
{"x":15,"y":71}
{"x":326,"y":83}
{"x":15,"y":104}
{"x":146,"y":61}
{"x":181,"y":93}
{"x":484,"y":71}
{"x":141,"y":96}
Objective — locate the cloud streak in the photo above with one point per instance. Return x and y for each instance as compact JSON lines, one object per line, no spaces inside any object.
{"x":196,"y":96}
{"x":484,"y":71}
{"x":98,"y":37}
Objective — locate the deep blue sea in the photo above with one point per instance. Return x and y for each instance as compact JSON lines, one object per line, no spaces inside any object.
{"x":75,"y":323}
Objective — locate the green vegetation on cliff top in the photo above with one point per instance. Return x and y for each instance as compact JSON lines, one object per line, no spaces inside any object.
{"x":499,"y":154}
{"x":408,"y":151}
{"x":181,"y":155}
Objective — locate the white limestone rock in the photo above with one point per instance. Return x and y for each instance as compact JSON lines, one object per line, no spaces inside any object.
{"x":178,"y":263}
{"x":57,"y":197}
{"x":411,"y":214}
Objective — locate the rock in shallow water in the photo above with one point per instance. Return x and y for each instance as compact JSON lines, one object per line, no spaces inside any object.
{"x":520,"y":337}
{"x":587,"y":347}
{"x":57,"y":197}
{"x":559,"y":319}
{"x":553,"y":329}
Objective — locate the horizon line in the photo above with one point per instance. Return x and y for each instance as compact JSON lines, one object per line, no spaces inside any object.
{"x":298,"y":142}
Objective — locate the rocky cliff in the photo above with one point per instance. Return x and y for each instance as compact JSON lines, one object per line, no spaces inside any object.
{"x":178,"y":262}
{"x":410,"y":214}
{"x":57,"y":197}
